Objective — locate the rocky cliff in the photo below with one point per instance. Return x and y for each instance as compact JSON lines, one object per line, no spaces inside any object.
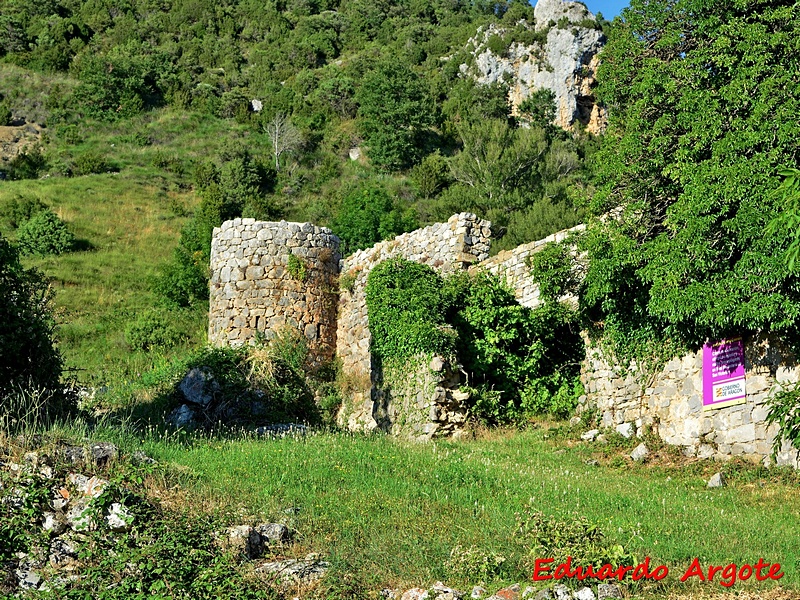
{"x":559,"y":52}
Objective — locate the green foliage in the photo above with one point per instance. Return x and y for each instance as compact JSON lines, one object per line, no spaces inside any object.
{"x":783,"y":411}
{"x":90,"y":163}
{"x":702,"y":118}
{"x":539,"y":108}
{"x":28,"y":357}
{"x":393,"y":112}
{"x":150,"y":331}
{"x":27,"y":164}
{"x":296,"y":267}
{"x":120,"y":83}
{"x":554,"y":270}
{"x":5,"y":112}
{"x":789,"y":218}
{"x":498,"y":162}
{"x":519,"y":362}
{"x":368,"y":215}
{"x":475,"y":564}
{"x":431,"y":175}
{"x":44,"y":233}
{"x":20,"y":209}
{"x":576,"y":537}
{"x":407,"y":311}
{"x":497,"y":45}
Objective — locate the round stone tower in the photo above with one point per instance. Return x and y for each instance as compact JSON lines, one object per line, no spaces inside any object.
{"x":267,"y":275}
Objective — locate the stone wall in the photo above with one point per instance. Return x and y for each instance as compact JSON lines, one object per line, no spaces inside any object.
{"x":671,"y":401}
{"x":254,"y":289}
{"x":446,"y":247}
{"x":512,"y":265}
{"x":420,"y":400}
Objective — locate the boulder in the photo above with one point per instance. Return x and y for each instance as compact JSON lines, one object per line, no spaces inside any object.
{"x":198,"y":386}
{"x":717,"y":481}
{"x":608,"y":590}
{"x":103,"y":452}
{"x":273,"y":533}
{"x":296,"y":571}
{"x":119,"y":518}
{"x":183,"y":416}
{"x":640,"y":452}
{"x":585,"y":593}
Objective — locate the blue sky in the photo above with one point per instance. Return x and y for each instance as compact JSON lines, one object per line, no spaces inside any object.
{"x":609,"y":8}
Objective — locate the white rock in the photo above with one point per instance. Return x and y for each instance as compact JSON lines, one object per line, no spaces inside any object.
{"x":640,"y":452}
{"x":590,"y":435}
{"x":626,"y":430}
{"x":716,"y":481}
{"x":119,"y":517}
{"x":584,"y":594}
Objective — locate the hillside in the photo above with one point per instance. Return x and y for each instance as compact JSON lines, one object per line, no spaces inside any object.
{"x":120,"y":118}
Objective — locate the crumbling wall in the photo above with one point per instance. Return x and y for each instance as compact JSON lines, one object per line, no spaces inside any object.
{"x":512,"y":265}
{"x":671,"y":401}
{"x":447,"y":247}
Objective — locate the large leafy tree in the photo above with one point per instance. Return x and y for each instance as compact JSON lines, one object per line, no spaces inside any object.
{"x":704,"y":97}
{"x":394,"y":112}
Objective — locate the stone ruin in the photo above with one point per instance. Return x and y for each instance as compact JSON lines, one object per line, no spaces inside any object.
{"x":267,"y":275}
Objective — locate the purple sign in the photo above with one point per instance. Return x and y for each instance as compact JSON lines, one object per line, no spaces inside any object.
{"x":723,"y":374}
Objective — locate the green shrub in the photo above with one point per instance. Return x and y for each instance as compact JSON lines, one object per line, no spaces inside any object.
{"x":431,"y":175}
{"x":150,"y":331}
{"x":28,"y":356}
{"x":20,"y":209}
{"x":90,"y":163}
{"x":27,"y":165}
{"x":296,"y":267}
{"x":5,"y":112}
{"x":474,"y":564}
{"x":560,"y":538}
{"x":497,"y":45}
{"x":44,"y":233}
{"x":407,"y":311}
{"x":519,"y":361}
{"x":783,"y":410}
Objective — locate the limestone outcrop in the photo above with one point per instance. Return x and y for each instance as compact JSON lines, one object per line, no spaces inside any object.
{"x":563,"y":58}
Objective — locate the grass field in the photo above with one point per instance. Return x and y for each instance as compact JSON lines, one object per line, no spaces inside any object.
{"x":388,"y":513}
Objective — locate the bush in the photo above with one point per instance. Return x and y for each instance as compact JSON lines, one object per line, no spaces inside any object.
{"x":5,"y":112}
{"x":28,"y":357}
{"x":519,"y":361}
{"x":473,"y":563}
{"x":44,"y":233}
{"x":783,"y":410}
{"x":90,"y":163}
{"x":20,"y":209}
{"x":575,"y":537}
{"x":407,"y":311}
{"x":431,"y":175}
{"x":27,"y":165}
{"x":368,"y":215}
{"x":150,"y":331}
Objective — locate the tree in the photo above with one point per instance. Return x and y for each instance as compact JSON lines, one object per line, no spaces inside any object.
{"x":284,"y":136}
{"x":498,"y":160}
{"x":28,"y":357}
{"x":368,"y":214}
{"x":703,"y":103}
{"x":393,"y":113}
